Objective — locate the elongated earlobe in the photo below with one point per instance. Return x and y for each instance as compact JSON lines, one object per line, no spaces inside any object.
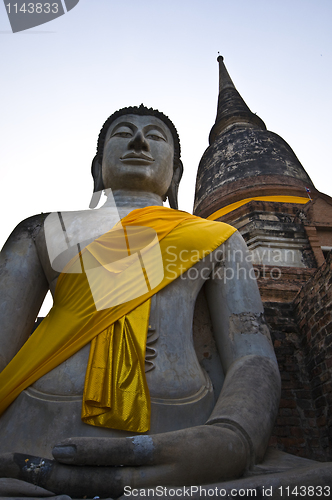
{"x":98,"y":184}
{"x":172,"y":193}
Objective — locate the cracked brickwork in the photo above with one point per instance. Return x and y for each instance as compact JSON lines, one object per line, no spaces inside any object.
{"x":302,"y":336}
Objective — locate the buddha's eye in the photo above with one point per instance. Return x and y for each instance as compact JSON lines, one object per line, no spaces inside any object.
{"x":155,"y":136}
{"x":122,"y":131}
{"x":122,"y":134}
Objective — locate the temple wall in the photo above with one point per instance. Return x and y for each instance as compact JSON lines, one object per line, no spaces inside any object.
{"x":302,"y":335}
{"x":313,"y":310}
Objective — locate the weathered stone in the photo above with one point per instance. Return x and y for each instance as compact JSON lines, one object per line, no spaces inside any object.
{"x":15,"y":488}
{"x":186,"y":441}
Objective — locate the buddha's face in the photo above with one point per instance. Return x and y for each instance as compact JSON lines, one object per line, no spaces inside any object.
{"x":138,"y":155}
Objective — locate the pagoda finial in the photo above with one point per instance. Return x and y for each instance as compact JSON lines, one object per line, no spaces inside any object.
{"x":232,"y":110}
{"x":224,"y":78}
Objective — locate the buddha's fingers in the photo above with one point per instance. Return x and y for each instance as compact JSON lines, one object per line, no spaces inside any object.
{"x":135,"y":450}
{"x":164,"y":448}
{"x":202,"y":454}
{"x":77,"y":482}
{"x":190,"y":450}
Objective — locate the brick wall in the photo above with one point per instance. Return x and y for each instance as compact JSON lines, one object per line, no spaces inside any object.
{"x":313,"y":310}
{"x":302,"y":336}
{"x":290,"y":430}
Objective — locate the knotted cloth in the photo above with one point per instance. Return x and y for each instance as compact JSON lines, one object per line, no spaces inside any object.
{"x":122,"y":398}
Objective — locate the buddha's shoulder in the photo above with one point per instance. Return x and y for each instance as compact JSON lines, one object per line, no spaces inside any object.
{"x":29,"y":228}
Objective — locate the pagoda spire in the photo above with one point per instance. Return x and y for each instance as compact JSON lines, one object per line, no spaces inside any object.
{"x":232,"y":110}
{"x":244,"y":160}
{"x":225,"y":80}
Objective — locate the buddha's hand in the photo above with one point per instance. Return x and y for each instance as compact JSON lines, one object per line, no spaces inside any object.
{"x":198,"y":455}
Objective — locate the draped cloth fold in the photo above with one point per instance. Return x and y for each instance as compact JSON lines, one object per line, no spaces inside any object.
{"x":84,"y":308}
{"x":116,"y":393}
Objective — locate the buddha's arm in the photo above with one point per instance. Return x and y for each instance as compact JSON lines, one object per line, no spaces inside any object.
{"x":23,"y":287}
{"x":249,"y":399}
{"x":237,"y":431}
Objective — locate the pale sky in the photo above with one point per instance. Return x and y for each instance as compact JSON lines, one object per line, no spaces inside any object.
{"x":61,"y":80}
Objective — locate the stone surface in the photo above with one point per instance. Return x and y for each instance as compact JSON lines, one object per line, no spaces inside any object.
{"x":302,"y":336}
{"x":15,"y":488}
{"x":275,"y":478}
{"x":243,"y":159}
{"x":249,"y":157}
{"x":54,"y":497}
{"x":179,"y":447}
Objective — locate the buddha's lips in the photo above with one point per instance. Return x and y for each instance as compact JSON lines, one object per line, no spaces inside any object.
{"x":136,"y":156}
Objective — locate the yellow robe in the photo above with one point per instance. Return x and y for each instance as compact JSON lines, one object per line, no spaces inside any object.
{"x":80,"y":313}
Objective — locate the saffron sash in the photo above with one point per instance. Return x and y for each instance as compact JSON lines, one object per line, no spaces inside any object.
{"x":277,"y":199}
{"x":74,"y":319}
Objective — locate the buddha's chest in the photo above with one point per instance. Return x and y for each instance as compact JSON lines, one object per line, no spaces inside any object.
{"x":65,"y":234}
{"x":172,"y":368}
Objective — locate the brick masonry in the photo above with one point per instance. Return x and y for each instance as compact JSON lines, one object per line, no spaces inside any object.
{"x":302,"y":335}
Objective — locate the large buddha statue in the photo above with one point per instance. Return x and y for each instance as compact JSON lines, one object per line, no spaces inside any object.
{"x":154,"y":410}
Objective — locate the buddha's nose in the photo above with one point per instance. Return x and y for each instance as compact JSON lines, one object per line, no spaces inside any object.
{"x":138,"y":142}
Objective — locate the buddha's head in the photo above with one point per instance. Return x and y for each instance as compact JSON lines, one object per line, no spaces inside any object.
{"x":138,"y":149}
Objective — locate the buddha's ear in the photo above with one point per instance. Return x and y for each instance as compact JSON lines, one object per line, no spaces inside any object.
{"x":172,"y":193}
{"x":98,"y":184}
